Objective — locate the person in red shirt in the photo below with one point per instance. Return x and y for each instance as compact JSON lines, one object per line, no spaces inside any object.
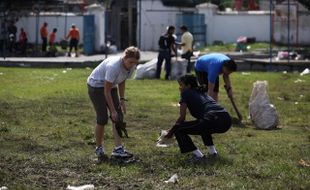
{"x":51,"y":42}
{"x":23,"y":41}
{"x":52,"y":38}
{"x":74,"y":36}
{"x":44,"y":35}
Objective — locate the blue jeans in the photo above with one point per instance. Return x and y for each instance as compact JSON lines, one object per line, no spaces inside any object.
{"x":163,"y":55}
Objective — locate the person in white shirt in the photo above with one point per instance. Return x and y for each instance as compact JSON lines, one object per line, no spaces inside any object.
{"x":106,"y":89}
{"x":187,"y":46}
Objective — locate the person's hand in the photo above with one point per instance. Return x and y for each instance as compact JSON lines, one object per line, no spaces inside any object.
{"x":169,"y":135}
{"x":114,"y":116}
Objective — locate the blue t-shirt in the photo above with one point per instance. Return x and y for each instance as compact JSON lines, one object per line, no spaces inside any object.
{"x":199,"y":104}
{"x":212,"y":64}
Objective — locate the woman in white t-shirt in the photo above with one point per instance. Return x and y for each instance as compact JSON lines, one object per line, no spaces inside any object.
{"x":106,"y":89}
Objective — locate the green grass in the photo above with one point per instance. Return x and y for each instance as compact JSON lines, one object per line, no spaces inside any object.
{"x":47,"y":137}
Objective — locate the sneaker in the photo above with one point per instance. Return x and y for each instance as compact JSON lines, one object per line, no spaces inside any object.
{"x":121,"y":152}
{"x":213,"y":156}
{"x":100,"y":153}
{"x":197,"y":160}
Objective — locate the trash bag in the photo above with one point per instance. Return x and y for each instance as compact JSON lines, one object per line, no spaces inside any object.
{"x":178,"y":68}
{"x":146,"y":70}
{"x":262,"y":113}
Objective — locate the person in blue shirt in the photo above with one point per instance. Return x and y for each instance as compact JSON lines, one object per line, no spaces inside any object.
{"x":210,"y":118}
{"x":208,"y":68}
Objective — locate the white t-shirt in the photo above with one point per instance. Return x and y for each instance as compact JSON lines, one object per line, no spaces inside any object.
{"x":112,"y":70}
{"x":187,"y":39}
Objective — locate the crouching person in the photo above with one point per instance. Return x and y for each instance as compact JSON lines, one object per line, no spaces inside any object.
{"x":106,"y":89}
{"x":210,"y":118}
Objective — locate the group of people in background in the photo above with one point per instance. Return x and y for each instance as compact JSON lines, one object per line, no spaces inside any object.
{"x":73,"y":35}
{"x":18,"y":43}
{"x":168,"y":46}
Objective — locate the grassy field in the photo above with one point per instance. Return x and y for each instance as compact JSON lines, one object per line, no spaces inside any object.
{"x":47,"y":138}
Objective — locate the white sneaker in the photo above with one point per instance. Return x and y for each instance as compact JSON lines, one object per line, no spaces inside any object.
{"x":121,"y":152}
{"x":100,"y":153}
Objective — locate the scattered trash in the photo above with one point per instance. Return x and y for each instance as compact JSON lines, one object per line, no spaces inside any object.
{"x":162,"y":141}
{"x":87,"y":68}
{"x":303,"y":163}
{"x":173,"y":179}
{"x":245,"y":73}
{"x":284,"y":72}
{"x":1,"y":73}
{"x":83,"y":187}
{"x":305,"y":72}
{"x":69,"y":69}
{"x":64,"y":71}
{"x":3,"y":188}
{"x":280,"y":98}
{"x":299,"y":80}
{"x":296,"y":103}
{"x":175,"y":105}
{"x":301,"y":96}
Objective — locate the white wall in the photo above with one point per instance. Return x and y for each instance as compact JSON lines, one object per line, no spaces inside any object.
{"x":30,"y":27}
{"x":229,"y":27}
{"x":155,"y":17}
{"x":304,"y":29}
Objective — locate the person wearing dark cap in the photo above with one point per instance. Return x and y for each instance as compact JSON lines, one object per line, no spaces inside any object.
{"x":208,"y":68}
{"x":187,"y":46}
{"x":166,"y":44}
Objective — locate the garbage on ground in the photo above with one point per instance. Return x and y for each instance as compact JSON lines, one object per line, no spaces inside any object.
{"x":3,"y":188}
{"x":162,"y":141}
{"x":284,"y":55}
{"x":178,"y":68}
{"x":146,"y":70}
{"x":305,"y":72}
{"x":173,"y":179}
{"x":299,"y":81}
{"x":262,"y":113}
{"x":245,"y":73}
{"x":83,"y":187}
{"x":284,"y":72}
{"x":303,"y":163}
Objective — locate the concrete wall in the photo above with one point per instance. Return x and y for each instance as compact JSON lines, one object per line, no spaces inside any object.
{"x":155,"y":17}
{"x":30,"y":26}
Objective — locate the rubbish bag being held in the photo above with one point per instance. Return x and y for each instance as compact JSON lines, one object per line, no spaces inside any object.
{"x":262,"y":113}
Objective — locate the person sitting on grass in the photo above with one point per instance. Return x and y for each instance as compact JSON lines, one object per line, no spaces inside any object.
{"x":105,"y":84}
{"x":210,"y":118}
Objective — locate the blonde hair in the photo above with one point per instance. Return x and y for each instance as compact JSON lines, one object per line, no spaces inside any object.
{"x":132,"y":52}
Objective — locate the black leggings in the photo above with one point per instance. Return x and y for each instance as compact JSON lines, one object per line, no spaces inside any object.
{"x":205,"y":128}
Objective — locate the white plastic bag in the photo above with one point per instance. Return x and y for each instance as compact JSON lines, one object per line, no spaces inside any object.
{"x":262,"y":113}
{"x":178,"y":68}
{"x":162,"y":141}
{"x":146,"y":70}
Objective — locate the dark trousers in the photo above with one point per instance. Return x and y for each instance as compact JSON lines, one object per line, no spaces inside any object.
{"x":44,"y":44}
{"x":187,"y":56}
{"x":202,"y":78}
{"x":220,"y":123}
{"x":163,"y":55}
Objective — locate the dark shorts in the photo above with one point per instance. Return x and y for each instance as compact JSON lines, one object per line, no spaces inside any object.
{"x":74,"y":43}
{"x":97,"y":97}
{"x":202,"y":78}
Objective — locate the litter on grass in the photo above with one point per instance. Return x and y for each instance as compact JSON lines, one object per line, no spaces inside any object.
{"x":305,"y":72}
{"x":82,"y":187}
{"x":162,"y":141}
{"x":173,"y":179}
